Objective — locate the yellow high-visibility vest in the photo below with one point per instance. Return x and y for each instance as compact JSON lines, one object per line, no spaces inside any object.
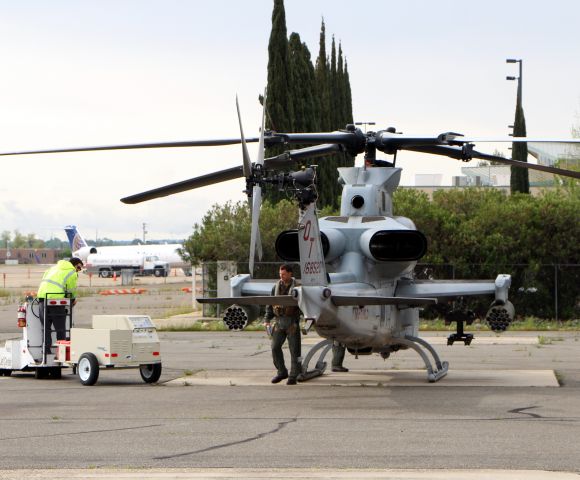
{"x":59,"y":280}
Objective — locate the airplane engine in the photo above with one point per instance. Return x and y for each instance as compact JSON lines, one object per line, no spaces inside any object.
{"x":393,"y":245}
{"x":238,"y":317}
{"x":500,"y":315}
{"x":333,"y":245}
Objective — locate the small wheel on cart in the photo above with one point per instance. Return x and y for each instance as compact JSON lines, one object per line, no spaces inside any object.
{"x":88,"y":369}
{"x":150,"y":372}
{"x":5,"y":372}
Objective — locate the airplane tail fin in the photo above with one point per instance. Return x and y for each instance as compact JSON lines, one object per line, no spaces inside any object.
{"x":75,"y":240}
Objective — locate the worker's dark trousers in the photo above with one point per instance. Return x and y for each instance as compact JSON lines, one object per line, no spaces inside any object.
{"x":338,"y":352}
{"x":287,"y":327}
{"x":55,"y":318}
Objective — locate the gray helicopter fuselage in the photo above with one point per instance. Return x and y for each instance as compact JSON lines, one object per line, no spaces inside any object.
{"x":366,"y":209}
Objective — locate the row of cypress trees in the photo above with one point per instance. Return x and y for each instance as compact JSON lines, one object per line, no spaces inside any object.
{"x":307,"y":97}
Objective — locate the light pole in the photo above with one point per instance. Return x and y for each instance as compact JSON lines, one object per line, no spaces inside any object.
{"x":365,"y":124}
{"x":519,"y":79}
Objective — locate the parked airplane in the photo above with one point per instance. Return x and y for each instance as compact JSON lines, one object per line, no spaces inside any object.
{"x":165,"y":252}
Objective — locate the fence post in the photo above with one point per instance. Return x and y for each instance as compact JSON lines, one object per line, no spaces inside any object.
{"x":556,"y":291}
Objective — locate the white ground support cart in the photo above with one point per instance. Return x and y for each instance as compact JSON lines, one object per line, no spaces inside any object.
{"x":115,"y":341}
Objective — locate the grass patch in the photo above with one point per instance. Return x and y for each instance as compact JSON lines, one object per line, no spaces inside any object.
{"x":209,"y":326}
{"x":4,"y":293}
{"x":184,"y":310}
{"x":87,"y":292}
{"x":543,"y":340}
{"x":520,"y":325}
{"x":200,"y":326}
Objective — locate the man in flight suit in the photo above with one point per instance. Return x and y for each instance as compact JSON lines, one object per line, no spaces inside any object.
{"x":59,"y":281}
{"x":287,"y":325}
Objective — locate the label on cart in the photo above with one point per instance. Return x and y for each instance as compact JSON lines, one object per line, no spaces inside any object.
{"x":141,"y":322}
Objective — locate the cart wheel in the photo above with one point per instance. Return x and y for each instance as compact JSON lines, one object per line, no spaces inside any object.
{"x":41,"y":373}
{"x":4,"y":372}
{"x":88,"y":369}
{"x":150,"y":372}
{"x":74,"y":369}
{"x":55,"y":373}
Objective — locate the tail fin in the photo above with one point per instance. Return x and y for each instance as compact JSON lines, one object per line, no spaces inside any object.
{"x":313,"y":269}
{"x":75,"y":240}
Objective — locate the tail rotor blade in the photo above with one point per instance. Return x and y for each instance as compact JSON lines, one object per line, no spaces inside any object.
{"x":247,"y":164}
{"x":255,"y":237}
{"x":255,"y":240}
{"x":260,"y":159}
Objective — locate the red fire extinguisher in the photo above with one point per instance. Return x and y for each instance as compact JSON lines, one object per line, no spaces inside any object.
{"x":22,"y":316}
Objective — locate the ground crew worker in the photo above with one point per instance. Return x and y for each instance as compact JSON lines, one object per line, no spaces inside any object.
{"x":59,"y":281}
{"x":287,"y":325}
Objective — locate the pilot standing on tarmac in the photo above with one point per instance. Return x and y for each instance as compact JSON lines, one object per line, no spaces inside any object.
{"x":59,"y":281}
{"x":287,"y":325}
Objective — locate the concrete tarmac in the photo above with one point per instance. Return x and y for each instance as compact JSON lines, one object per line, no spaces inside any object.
{"x":312,"y":430}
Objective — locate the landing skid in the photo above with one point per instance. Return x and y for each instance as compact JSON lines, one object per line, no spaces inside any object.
{"x":417,"y":344}
{"x":420,"y":345}
{"x":325,"y":346}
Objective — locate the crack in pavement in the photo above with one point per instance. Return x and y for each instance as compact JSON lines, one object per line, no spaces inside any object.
{"x":521,"y":410}
{"x":82,"y":433}
{"x":280,"y":426}
{"x":257,"y":353}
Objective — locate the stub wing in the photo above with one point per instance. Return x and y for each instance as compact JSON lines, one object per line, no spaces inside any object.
{"x":346,"y":300}
{"x":442,"y":289}
{"x":285,"y":300}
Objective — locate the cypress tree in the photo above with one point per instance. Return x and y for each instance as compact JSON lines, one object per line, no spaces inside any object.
{"x":307,"y":98}
{"x":280,"y":114}
{"x":335,"y":100}
{"x":279,"y":107}
{"x":519,"y":179}
{"x":303,"y":86}
{"x":322,"y":81}
{"x":348,"y":94}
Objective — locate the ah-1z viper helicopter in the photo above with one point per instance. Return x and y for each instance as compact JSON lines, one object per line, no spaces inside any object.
{"x":370,"y":299}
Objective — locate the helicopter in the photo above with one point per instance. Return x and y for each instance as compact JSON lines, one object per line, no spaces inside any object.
{"x":357,"y":282}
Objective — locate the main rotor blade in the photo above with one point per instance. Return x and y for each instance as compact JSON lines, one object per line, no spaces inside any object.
{"x":354,"y":141}
{"x":288,"y":158}
{"x":197,"y":182}
{"x":455,"y":152}
{"x":192,"y":143}
{"x":389,"y":142}
{"x":246,"y":162}
{"x":519,"y":140}
{"x":228,"y":174}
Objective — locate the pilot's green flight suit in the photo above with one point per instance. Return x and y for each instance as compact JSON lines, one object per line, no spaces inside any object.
{"x":286,"y":325}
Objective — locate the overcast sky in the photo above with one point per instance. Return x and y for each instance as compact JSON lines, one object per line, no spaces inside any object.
{"x":117,"y":71}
